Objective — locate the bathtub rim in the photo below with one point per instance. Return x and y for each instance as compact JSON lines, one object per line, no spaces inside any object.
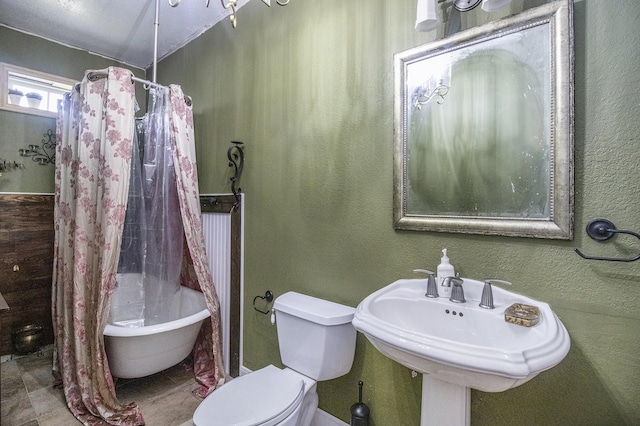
{"x":112,"y":330}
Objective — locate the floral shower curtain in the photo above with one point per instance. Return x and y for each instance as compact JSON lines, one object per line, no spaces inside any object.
{"x":208,"y":358}
{"x":94,"y":144}
{"x":94,"y":134}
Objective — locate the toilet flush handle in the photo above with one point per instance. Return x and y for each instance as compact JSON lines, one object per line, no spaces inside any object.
{"x":273,"y":316}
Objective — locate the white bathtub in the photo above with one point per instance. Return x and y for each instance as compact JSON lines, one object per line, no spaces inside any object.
{"x":140,"y":351}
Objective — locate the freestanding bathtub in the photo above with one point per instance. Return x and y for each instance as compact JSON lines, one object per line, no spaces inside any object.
{"x":140,"y":351}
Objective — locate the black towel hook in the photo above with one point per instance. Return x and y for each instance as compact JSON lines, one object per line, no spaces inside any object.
{"x":602,"y":230}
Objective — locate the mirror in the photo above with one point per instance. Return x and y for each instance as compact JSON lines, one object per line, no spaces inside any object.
{"x":484,"y":129}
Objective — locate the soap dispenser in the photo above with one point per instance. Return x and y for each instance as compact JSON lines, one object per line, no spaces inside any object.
{"x":445,"y":269}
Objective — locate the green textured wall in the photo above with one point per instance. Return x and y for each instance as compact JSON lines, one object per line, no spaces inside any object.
{"x":20,"y":130}
{"x":309,"y":89}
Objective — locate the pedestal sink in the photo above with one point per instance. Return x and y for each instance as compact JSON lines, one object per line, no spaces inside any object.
{"x":459,"y":346}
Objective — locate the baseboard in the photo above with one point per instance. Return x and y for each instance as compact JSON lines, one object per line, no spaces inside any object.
{"x":40,"y":352}
{"x":321,"y":418}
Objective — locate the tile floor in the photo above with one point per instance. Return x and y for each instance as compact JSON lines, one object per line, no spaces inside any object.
{"x":29,"y":399}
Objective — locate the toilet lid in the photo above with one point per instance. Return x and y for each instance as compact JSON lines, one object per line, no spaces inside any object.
{"x":264,"y":397}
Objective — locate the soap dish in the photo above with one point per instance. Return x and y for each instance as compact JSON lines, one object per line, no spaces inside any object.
{"x":521,"y":314}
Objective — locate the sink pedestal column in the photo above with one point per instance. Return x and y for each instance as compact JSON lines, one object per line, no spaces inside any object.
{"x":444,"y":403}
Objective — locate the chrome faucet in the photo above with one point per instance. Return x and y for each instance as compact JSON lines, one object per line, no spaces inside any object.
{"x":486,"y":301}
{"x":457,"y":292}
{"x":432,"y":288}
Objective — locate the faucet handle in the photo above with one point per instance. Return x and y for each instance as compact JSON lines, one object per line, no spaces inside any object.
{"x":486,"y":301}
{"x":432,"y":288}
{"x":457,"y":292}
{"x":496,"y":281}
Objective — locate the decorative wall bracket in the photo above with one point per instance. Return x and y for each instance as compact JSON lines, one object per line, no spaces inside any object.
{"x":235,"y":154}
{"x":45,"y":154}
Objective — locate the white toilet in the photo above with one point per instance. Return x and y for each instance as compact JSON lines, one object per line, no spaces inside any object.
{"x":317,"y":342}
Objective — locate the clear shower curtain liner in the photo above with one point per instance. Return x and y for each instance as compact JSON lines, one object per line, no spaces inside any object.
{"x":164,"y":234}
{"x":95,"y":133}
{"x":152,"y":243}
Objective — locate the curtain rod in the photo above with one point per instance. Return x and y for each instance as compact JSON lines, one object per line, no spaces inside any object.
{"x":156,"y":24}
{"x":94,"y":75}
{"x":147,"y":82}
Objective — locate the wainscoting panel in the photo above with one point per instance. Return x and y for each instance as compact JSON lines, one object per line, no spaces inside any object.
{"x":217,"y":240}
{"x":222,"y":228}
{"x":26,"y":264}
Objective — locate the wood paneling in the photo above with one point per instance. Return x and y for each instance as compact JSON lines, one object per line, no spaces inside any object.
{"x":26,"y":263}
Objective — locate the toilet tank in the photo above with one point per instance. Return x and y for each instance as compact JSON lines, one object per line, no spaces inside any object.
{"x":316,"y":337}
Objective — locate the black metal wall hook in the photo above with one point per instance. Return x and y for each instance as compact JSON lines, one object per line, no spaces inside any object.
{"x":603,"y":230}
{"x":268,"y":296}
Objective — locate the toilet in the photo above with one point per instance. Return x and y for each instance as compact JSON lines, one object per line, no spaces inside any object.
{"x":317,"y":342}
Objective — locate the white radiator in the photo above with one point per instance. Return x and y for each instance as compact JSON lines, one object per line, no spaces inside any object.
{"x":217,"y":240}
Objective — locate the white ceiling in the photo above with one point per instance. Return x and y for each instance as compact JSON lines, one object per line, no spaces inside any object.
{"x":117,"y":29}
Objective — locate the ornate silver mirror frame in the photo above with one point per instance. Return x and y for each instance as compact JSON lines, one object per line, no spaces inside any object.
{"x":483,"y":129}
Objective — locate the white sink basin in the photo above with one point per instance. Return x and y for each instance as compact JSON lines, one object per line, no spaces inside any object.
{"x":461,"y":344}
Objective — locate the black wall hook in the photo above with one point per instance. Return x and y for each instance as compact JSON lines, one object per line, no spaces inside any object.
{"x":603,"y":230}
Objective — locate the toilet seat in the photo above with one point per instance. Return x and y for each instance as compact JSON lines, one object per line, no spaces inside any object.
{"x":264,"y":397}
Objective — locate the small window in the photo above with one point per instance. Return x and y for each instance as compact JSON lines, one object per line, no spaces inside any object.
{"x":31,"y":92}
